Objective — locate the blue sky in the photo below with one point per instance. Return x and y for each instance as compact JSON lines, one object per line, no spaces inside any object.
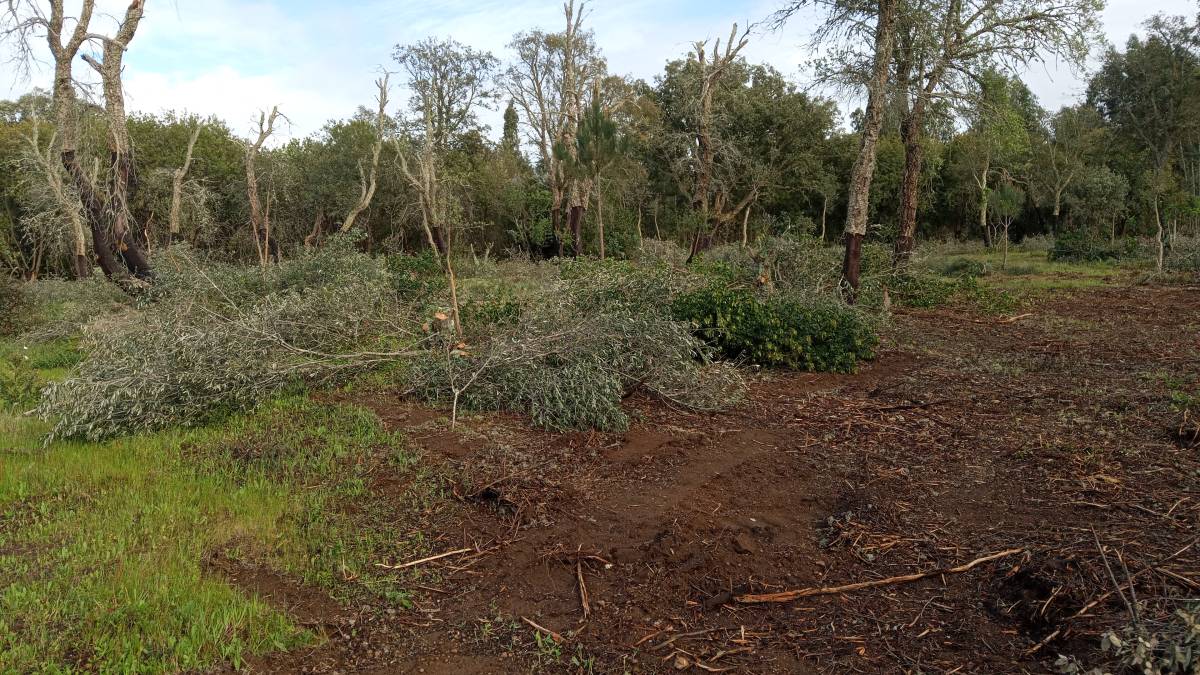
{"x":317,"y":59}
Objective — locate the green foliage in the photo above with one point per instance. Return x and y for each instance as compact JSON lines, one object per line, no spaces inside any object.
{"x":575,"y":352}
{"x":14,"y":307}
{"x":963,"y":267}
{"x":218,"y":345}
{"x":416,"y":277}
{"x":1084,"y":246}
{"x":785,"y":332}
{"x":1175,"y":649}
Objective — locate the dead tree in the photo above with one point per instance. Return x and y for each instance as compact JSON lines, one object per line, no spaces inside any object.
{"x":177,"y":180}
{"x":68,"y":203}
{"x":713,"y":202}
{"x":108,"y":216}
{"x":260,"y":217}
{"x":369,"y":181}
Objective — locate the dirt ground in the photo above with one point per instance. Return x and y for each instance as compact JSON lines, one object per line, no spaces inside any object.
{"x":1052,"y":433}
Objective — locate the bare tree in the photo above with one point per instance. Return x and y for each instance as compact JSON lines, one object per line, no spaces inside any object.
{"x":711,"y":201}
{"x":260,"y":215}
{"x":66,"y":202}
{"x":108,"y":216}
{"x":369,"y":181}
{"x":450,"y":82}
{"x":177,"y":179}
{"x":548,"y":82}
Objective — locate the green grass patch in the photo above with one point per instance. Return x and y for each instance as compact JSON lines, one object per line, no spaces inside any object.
{"x":101,"y":545}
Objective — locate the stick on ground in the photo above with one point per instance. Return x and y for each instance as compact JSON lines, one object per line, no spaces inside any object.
{"x":788,"y":596}
{"x":425,"y":560}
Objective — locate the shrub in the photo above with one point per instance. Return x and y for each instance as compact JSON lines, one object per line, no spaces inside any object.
{"x":1036,"y":243}
{"x":1184,"y":257}
{"x":19,"y":387}
{"x":660,"y":252}
{"x":181,"y":363}
{"x":14,"y":307}
{"x":1082,"y":246}
{"x":603,"y":285}
{"x":963,"y":267}
{"x":569,"y":361}
{"x":416,"y":276}
{"x":816,"y":335}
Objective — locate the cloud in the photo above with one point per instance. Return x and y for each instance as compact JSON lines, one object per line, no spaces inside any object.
{"x":317,"y":60}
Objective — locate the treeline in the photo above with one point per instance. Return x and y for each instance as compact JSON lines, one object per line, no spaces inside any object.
{"x":716,"y":149}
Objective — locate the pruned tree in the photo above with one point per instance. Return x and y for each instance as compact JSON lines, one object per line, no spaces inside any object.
{"x":370,"y":179}
{"x":265,"y":244}
{"x":64,"y":201}
{"x":547,"y":83}
{"x":713,"y":202}
{"x":450,"y":82}
{"x":175,"y":219}
{"x":107,"y":211}
{"x":598,"y":146}
{"x":847,"y":30}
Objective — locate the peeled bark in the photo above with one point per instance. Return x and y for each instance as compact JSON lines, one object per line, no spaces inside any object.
{"x":910,"y":187}
{"x":175,"y":225}
{"x":864,"y":166}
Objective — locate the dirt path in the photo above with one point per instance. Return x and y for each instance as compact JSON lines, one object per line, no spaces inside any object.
{"x":968,"y":435}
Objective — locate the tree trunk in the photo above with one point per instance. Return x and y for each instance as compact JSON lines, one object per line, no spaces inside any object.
{"x":852,"y":264}
{"x":824,"y":209}
{"x":982,"y":182}
{"x":639,"y":225}
{"x":1004,"y":261}
{"x":600,"y":220}
{"x":746,"y":228}
{"x":1158,"y":222}
{"x":910,"y":188}
{"x":575,"y":222}
{"x":864,"y":165}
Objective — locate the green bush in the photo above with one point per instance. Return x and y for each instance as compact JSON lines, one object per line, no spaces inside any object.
{"x":574,"y":354}
{"x":1081,"y":246}
{"x":1184,"y":256}
{"x":926,"y":290}
{"x":963,"y":267}
{"x":416,"y":277}
{"x":182,"y":363}
{"x":19,"y":387}
{"x":14,"y":307}
{"x":815,"y":335}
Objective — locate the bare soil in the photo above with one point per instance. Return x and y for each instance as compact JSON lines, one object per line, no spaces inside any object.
{"x":968,"y":435}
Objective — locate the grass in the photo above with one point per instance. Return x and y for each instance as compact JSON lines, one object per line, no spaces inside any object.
{"x":1033,"y":271}
{"x":102,"y":545}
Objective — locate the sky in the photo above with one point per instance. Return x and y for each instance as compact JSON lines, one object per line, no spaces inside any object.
{"x":317,"y":60}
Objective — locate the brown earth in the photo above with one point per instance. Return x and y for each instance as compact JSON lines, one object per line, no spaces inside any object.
{"x":969,"y":435}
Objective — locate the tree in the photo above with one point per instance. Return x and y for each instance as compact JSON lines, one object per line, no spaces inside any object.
{"x":997,"y":143}
{"x":449,"y":83}
{"x":547,"y":84}
{"x":1149,"y":94}
{"x":370,"y":180}
{"x":598,"y":146}
{"x":107,"y":211}
{"x":712,"y":204}
{"x":849,"y":24}
{"x":1061,"y":156}
{"x":945,"y":45}
{"x":1007,"y":202}
{"x":265,"y":243}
